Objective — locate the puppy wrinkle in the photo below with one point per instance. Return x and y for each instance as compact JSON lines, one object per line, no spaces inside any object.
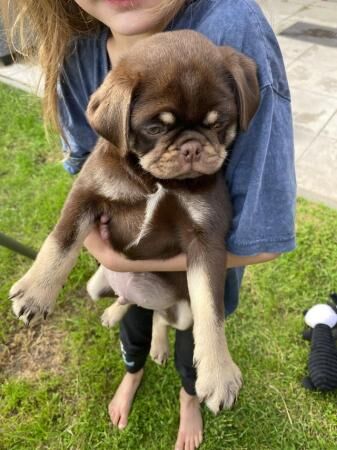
{"x":150,"y":158}
{"x":159,"y":159}
{"x":152,"y":203}
{"x":219,"y":154}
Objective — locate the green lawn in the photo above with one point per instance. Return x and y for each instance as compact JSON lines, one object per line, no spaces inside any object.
{"x":57,"y":379}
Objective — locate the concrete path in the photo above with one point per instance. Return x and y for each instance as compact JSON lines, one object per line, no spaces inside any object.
{"x":312,"y":72}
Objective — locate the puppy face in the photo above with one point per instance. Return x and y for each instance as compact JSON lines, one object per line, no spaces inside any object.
{"x":183,"y":131}
{"x":175,"y":102}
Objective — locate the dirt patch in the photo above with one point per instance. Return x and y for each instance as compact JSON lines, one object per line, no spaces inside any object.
{"x":32,"y":351}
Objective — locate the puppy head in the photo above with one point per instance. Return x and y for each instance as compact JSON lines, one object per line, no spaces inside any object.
{"x":175,"y":101}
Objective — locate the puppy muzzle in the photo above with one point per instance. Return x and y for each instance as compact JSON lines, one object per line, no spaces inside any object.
{"x":190,"y":156}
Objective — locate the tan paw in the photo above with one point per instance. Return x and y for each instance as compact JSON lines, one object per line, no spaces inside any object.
{"x":114,"y":314}
{"x":32,"y":299}
{"x":109,"y":319}
{"x":218,"y":386}
{"x":160,"y":351}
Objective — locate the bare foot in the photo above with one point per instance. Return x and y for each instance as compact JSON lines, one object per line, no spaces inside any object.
{"x":121,"y":402}
{"x":190,"y":427}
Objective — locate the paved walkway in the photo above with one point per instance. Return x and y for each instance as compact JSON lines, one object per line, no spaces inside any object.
{"x":312,"y":73}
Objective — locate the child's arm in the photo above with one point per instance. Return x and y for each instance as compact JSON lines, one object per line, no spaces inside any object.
{"x":115,"y":261}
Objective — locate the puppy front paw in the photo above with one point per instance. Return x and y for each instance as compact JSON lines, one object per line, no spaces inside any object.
{"x":218,"y":386}
{"x":32,"y":299}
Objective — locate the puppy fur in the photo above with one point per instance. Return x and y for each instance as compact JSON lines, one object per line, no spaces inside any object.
{"x":167,"y":115}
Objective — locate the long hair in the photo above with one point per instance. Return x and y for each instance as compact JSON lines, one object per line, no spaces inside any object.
{"x":41,"y":31}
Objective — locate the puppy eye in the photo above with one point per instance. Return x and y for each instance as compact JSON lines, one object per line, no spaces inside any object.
{"x":155,"y":129}
{"x":217,"y":126}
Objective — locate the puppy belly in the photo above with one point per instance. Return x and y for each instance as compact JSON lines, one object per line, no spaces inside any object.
{"x":147,"y":290}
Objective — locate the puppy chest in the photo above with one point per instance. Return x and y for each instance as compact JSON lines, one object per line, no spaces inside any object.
{"x":125,"y":223}
{"x":148,"y":229}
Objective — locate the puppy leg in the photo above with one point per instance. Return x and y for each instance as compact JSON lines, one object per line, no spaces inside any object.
{"x":182,"y":315}
{"x":98,"y":285}
{"x":178,"y":316}
{"x":35,"y":293}
{"x":218,"y":377}
{"x":115,"y":313}
{"x":160,"y":344}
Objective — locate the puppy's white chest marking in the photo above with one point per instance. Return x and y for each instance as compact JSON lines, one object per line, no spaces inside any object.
{"x":197,"y":208}
{"x":152,"y":203}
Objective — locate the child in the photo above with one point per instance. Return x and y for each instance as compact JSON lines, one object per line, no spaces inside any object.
{"x":78,"y":41}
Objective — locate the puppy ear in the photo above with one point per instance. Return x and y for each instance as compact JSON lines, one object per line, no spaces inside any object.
{"x":108,"y":110}
{"x":244,"y":73}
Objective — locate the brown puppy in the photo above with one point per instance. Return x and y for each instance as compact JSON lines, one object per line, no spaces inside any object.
{"x":167,"y":114}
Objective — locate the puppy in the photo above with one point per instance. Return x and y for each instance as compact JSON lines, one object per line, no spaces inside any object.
{"x":166,"y":115}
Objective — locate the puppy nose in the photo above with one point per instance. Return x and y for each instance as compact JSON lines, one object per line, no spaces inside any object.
{"x":191,"y":150}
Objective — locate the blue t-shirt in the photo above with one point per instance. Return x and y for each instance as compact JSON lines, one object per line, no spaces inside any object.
{"x":260,"y":174}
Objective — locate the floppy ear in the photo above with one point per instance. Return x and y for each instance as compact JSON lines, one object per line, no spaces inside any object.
{"x":244,"y":73}
{"x":108,"y":111}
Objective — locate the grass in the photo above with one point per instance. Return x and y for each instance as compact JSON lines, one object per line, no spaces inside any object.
{"x":57,"y":380}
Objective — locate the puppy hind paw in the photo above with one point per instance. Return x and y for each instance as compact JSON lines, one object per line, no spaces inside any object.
{"x":160,"y":355}
{"x":160,"y":347}
{"x":109,"y":319}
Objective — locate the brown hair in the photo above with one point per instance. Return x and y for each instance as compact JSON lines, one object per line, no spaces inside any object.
{"x":42,"y":31}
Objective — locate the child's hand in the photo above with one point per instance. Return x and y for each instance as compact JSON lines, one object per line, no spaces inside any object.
{"x":98,"y":245}
{"x":103,"y":227}
{"x":97,"y":241}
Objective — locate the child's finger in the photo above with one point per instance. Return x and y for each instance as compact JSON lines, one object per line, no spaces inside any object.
{"x":104,"y":227}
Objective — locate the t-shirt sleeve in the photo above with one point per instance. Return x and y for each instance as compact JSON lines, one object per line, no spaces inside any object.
{"x":78,"y":138}
{"x":261,"y":181}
